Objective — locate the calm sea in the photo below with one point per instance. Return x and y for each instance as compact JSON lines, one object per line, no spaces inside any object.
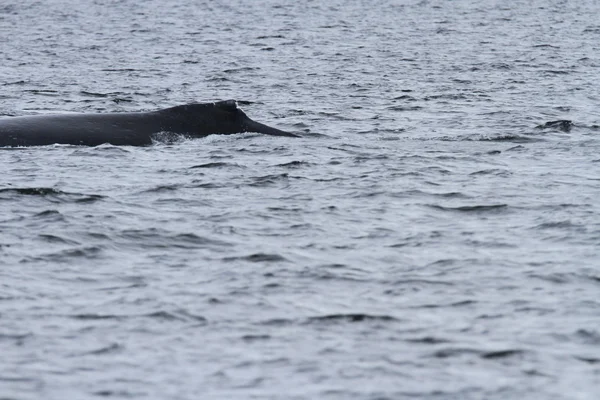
{"x":430,"y":236}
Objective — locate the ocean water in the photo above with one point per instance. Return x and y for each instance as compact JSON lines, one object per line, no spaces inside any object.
{"x":432,"y":235}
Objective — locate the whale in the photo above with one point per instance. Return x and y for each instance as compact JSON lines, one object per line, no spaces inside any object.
{"x":130,"y":128}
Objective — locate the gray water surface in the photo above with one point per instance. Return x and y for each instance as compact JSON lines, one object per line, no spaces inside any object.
{"x":427,"y":237}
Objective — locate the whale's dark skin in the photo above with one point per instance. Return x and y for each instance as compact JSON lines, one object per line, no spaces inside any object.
{"x":130,"y":129}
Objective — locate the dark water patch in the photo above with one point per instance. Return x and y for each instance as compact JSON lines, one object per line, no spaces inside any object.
{"x":566,"y":224}
{"x":565,"y":277}
{"x":93,"y":94}
{"x":293,"y":210}
{"x":163,"y":188}
{"x":587,"y":336}
{"x":97,"y":317}
{"x":270,"y":37}
{"x":155,"y":238}
{"x":422,"y":193}
{"x":446,"y":96}
{"x":215,"y":165}
{"x":110,"y":349}
{"x":20,"y":82}
{"x":588,"y":359}
{"x":545,"y":45}
{"x":123,"y":394}
{"x":238,"y":70}
{"x":68,"y":255}
{"x":124,"y":287}
{"x":162,"y":315}
{"x":119,"y":100}
{"x":258,"y":257}
{"x":333,"y":272}
{"x":563,"y":125}
{"x":491,"y":244}
{"x":487,"y":355}
{"x":43,"y":92}
{"x":353,"y":317}
{"x":492,"y":171}
{"x":49,"y":215}
{"x":557,"y":72}
{"x":180,"y":315}
{"x":7,"y":378}
{"x":255,"y":338}
{"x":278,"y":322}
{"x":294,"y":164}
{"x":404,"y":108}
{"x":207,"y":185}
{"x":405,"y":97}
{"x":428,"y":340}
{"x":454,"y":304}
{"x":455,"y":352}
{"x":96,"y":235}
{"x":418,"y":283}
{"x":58,"y":240}
{"x":51,"y":194}
{"x":492,"y":355}
{"x":514,"y":138}
{"x":268,"y":180}
{"x":118,"y":69}
{"x":15,"y":338}
{"x":365,"y":194}
{"x":477,"y":209}
{"x":518,"y":148}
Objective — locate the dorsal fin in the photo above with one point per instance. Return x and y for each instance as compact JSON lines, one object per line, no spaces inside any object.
{"x":229,"y":105}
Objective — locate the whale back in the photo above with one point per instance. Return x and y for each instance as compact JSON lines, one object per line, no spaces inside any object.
{"x":202,"y":119}
{"x":135,"y":129}
{"x":221,"y":117}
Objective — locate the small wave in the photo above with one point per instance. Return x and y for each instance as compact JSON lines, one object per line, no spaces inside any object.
{"x":49,"y":215}
{"x":415,"y":192}
{"x":214,"y":165}
{"x":258,"y":257}
{"x":588,"y":359}
{"x":418,"y":282}
{"x":492,"y":171}
{"x":53,"y":194}
{"x":455,"y":304}
{"x":112,"y":348}
{"x":428,"y":340}
{"x":254,"y":338}
{"x":163,"y":188}
{"x":67,"y":255}
{"x":557,"y":225}
{"x":502,"y":353}
{"x":105,"y":150}
{"x":154,"y":238}
{"x":268,"y":179}
{"x":123,"y":394}
{"x":95,"y":317}
{"x":179,"y":315}
{"x":93,"y":94}
{"x":353,"y":317}
{"x":563,"y":125}
{"x":471,"y":209}
{"x":494,"y":354}
{"x":57,"y":239}
{"x":18,"y":337}
{"x":294,"y":164}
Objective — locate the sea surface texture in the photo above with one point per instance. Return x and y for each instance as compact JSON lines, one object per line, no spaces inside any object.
{"x":432,"y":235}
